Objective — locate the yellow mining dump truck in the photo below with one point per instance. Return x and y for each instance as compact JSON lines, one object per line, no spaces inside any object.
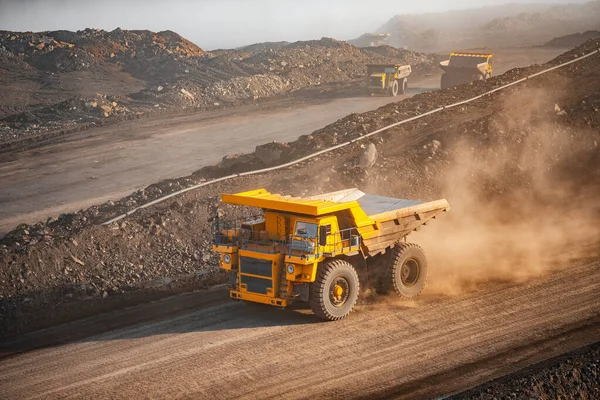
{"x":311,"y":249}
{"x":389,"y":79}
{"x":466,"y":67}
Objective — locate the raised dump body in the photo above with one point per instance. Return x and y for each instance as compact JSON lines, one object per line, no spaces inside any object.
{"x":465,"y":67}
{"x":389,"y":79}
{"x":310,"y":249}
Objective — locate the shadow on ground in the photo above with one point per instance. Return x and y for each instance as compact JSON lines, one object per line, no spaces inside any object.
{"x":207,"y":310}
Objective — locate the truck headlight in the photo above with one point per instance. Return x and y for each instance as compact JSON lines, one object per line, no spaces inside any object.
{"x":290,"y":269}
{"x":226,"y":258}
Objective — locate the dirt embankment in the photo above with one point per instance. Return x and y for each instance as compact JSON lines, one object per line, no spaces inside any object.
{"x":61,"y":81}
{"x":512,"y":165}
{"x":572,"y":376}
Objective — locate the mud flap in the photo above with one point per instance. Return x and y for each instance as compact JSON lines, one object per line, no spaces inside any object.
{"x":301,"y":291}
{"x":233,"y":279}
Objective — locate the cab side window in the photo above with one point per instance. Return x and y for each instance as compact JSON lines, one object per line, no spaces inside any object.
{"x":305,"y":230}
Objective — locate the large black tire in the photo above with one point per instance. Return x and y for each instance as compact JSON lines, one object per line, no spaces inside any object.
{"x":325,"y":298}
{"x":407,"y":270}
{"x":403,"y":85}
{"x":445,"y":82}
{"x":395,"y":89}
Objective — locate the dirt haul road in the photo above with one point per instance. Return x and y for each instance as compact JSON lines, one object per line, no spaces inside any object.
{"x":429,"y":347}
{"x":110,"y":162}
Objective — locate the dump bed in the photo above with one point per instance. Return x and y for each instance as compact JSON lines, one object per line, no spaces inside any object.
{"x":467,"y":62}
{"x":388,"y":219}
{"x":380,"y":221}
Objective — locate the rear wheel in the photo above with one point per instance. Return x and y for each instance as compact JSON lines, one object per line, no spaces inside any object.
{"x":445,"y":81}
{"x":408,"y":269}
{"x":395,"y":88}
{"x":335,"y":291}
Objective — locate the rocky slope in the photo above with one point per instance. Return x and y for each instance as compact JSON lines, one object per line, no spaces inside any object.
{"x":573,"y":40}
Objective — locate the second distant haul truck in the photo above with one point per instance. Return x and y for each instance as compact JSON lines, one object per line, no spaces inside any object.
{"x":465,"y":67}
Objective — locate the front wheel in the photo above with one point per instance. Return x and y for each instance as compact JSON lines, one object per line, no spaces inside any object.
{"x":408,"y":270}
{"x":395,"y":89}
{"x":334,"y":293}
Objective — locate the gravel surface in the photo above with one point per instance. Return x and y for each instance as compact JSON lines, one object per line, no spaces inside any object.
{"x":575,"y":375}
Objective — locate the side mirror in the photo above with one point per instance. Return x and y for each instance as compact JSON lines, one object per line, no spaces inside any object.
{"x":323,"y":233}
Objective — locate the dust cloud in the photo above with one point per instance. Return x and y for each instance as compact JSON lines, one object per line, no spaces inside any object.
{"x":524,"y":200}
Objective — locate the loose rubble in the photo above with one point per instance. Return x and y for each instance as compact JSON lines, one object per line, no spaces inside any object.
{"x":572,"y":376}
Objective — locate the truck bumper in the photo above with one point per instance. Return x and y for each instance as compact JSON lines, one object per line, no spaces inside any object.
{"x":377,"y":89}
{"x":257,"y":298}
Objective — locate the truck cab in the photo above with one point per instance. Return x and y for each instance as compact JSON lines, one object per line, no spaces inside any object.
{"x":273,"y":257}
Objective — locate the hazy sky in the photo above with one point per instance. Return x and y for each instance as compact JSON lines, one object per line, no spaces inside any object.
{"x":225,"y":23}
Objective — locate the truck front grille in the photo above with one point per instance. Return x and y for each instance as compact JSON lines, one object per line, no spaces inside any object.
{"x":375,"y":82}
{"x":256,"y":266}
{"x":256,"y":285}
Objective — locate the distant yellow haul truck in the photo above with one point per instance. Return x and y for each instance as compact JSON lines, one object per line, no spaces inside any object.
{"x":389,"y":79}
{"x":310,"y":249}
{"x":465,"y":67}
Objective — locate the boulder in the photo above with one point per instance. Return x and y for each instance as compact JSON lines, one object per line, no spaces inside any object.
{"x":187,"y":94}
{"x":368,"y":157}
{"x":233,"y":160}
{"x":271,"y":153}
